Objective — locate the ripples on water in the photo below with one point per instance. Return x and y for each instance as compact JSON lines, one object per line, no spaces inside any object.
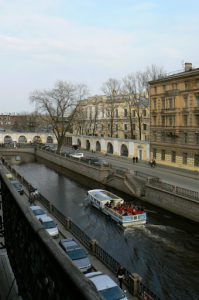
{"x":164,"y":251}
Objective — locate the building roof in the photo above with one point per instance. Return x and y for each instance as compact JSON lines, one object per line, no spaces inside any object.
{"x":179,"y":75}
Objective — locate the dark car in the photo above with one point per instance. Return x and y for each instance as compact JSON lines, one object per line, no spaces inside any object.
{"x":85,"y":159}
{"x":77,"y":254}
{"x":101,"y":162}
{"x":18,"y":186}
{"x":93,"y":159}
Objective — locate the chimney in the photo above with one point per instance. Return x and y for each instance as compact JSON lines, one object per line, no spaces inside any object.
{"x":187,"y":67}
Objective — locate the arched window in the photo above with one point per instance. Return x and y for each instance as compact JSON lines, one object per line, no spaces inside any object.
{"x":88,"y":145}
{"x":109,"y":148}
{"x":124,"y":150}
{"x":79,"y":143}
{"x":22,"y":139}
{"x":7,"y":139}
{"x":37,"y":139}
{"x":49,"y":140}
{"x":98,"y":146}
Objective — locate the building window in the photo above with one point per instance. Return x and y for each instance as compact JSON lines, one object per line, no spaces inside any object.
{"x":125,"y":136}
{"x":125,"y":112}
{"x":133,"y":112}
{"x":125,"y":127}
{"x":197,"y":120}
{"x":163,"y":155}
{"x":144,"y":113}
{"x":163,"y":136}
{"x":185,"y":120}
{"x":116,"y":127}
{"x":184,"y":158}
{"x":196,"y":160}
{"x":154,"y":153}
{"x":133,"y":126}
{"x":154,"y":121}
{"x":197,"y":100}
{"x":116,"y":113}
{"x":185,"y":137}
{"x":185,"y":101}
{"x":197,"y":138}
{"x":163,"y":120}
{"x":163,"y":103}
{"x":154,"y":103}
{"x":144,"y":126}
{"x":173,"y":156}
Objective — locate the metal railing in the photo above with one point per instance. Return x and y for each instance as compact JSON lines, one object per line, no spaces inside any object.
{"x":193,"y":195}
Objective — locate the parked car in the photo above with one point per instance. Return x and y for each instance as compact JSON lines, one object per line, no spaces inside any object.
{"x":38,"y":211}
{"x":67,"y":153}
{"x":85,"y":159}
{"x":101,"y":162}
{"x":107,"y":288}
{"x":77,"y":254}
{"x":77,"y":155}
{"x":9,"y":176}
{"x":18,"y":186}
{"x":50,"y":226}
{"x":93,"y":159}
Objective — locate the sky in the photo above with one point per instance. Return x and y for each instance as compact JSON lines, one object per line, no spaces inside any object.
{"x":89,"y":41}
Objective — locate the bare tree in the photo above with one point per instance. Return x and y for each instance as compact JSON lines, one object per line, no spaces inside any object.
{"x":111,"y":88}
{"x":136,"y":90}
{"x":59,"y":105}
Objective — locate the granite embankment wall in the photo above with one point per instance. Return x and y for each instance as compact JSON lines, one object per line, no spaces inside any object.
{"x":129,"y":183}
{"x":181,"y":205}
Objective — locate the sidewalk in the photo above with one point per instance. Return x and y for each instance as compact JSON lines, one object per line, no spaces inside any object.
{"x":179,"y":177}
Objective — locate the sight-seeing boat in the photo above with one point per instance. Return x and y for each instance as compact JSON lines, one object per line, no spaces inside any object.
{"x":124,"y":213}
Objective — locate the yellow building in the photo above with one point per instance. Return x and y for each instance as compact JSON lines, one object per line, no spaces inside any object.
{"x":174,"y":125}
{"x":114,"y":117}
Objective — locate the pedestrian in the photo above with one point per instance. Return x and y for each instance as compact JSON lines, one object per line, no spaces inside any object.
{"x":120,"y":275}
{"x":133,"y":159}
{"x":153,"y":163}
{"x":136,"y":159}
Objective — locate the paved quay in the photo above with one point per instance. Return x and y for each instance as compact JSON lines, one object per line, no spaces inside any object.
{"x":172,"y":175}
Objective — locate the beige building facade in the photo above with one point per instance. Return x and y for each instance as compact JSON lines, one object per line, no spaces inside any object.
{"x":174,"y":124}
{"x":113,"y":117}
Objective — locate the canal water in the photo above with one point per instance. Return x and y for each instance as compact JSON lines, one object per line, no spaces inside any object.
{"x":164,"y":252}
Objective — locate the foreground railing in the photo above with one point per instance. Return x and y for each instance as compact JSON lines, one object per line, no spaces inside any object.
{"x":132,"y":280}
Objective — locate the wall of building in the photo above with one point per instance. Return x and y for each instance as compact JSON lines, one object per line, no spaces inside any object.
{"x":174,"y":124}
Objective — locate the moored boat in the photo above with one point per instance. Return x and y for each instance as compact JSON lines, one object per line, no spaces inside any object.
{"x":120,"y":211}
